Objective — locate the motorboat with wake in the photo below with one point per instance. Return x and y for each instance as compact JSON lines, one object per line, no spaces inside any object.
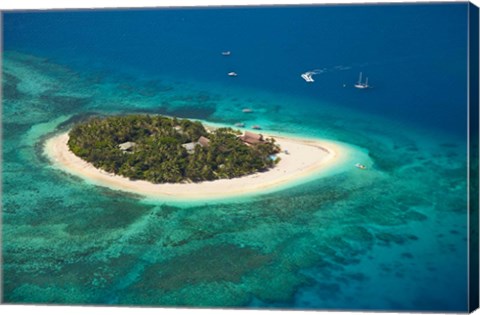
{"x":307,"y":76}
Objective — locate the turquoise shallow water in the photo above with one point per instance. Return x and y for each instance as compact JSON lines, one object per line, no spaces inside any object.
{"x":390,"y":238}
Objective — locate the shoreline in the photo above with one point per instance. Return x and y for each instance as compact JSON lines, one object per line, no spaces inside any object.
{"x":306,"y":158}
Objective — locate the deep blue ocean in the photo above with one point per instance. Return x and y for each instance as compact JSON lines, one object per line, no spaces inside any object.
{"x":391,"y":238}
{"x":415,"y":55}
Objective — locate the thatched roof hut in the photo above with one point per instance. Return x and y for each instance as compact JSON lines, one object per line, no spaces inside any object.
{"x":251,"y":138}
{"x":204,"y":142}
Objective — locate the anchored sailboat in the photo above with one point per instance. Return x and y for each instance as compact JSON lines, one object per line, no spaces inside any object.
{"x":360,"y":84}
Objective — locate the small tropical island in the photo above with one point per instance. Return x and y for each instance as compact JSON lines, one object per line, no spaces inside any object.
{"x":161,"y":149}
{"x":181,"y":159}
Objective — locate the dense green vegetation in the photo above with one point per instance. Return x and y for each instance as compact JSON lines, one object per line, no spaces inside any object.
{"x":158,"y":155}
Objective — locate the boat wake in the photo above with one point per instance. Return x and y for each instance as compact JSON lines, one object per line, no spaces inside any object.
{"x":308,"y":76}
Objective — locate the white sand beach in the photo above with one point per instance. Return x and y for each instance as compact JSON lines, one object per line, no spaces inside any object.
{"x":305,"y":158}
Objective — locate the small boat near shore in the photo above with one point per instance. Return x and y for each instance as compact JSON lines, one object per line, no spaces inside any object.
{"x":247,"y":110}
{"x":241,"y":125}
{"x":232,"y":74}
{"x":226,"y":53}
{"x":360,"y":166}
{"x":256,"y":127}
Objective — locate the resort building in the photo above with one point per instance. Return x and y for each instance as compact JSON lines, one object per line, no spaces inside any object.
{"x":190,"y":147}
{"x":127,"y":146}
{"x":251,"y":138}
{"x":204,"y":142}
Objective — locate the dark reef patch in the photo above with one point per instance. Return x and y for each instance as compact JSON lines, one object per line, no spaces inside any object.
{"x":64,"y":103}
{"x":10,"y":87}
{"x":223,"y":262}
{"x":192,"y":111}
{"x":110,"y":214}
{"x":11,"y":128}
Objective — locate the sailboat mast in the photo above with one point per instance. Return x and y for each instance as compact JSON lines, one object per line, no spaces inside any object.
{"x":360,"y":79}
{"x":366,"y":82}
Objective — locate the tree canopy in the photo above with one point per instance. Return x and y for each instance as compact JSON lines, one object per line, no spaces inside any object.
{"x":155,"y":152}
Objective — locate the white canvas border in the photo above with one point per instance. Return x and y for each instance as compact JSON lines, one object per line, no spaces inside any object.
{"x":6,"y":5}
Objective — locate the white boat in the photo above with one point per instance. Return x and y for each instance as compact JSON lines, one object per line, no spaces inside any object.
{"x":247,"y":110}
{"x":241,"y":125}
{"x":307,"y":76}
{"x":232,"y":74}
{"x":226,"y":53}
{"x":360,"y":84}
{"x":360,"y":166}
